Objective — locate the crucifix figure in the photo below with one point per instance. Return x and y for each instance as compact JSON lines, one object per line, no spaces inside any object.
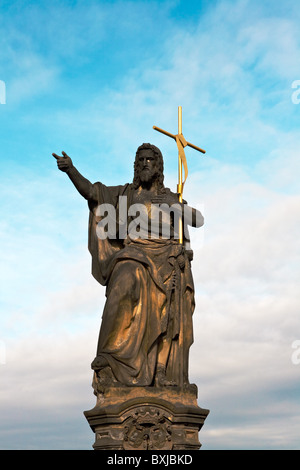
{"x":146,"y":329}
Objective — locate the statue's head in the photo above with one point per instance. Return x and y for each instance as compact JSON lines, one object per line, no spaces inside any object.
{"x":148,"y":166}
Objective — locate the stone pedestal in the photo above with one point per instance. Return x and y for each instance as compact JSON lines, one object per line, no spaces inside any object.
{"x":147,"y":418}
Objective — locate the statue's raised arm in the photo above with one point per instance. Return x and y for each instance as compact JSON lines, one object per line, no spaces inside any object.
{"x":83,"y":185}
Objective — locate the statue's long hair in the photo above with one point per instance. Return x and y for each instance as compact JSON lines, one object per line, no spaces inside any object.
{"x":160,"y":166}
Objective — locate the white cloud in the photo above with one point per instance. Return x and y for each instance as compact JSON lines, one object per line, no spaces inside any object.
{"x":247,"y":306}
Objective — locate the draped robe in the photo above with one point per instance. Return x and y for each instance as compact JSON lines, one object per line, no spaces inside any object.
{"x":148,"y":297}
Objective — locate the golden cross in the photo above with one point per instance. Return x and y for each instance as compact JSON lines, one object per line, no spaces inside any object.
{"x":181,"y":143}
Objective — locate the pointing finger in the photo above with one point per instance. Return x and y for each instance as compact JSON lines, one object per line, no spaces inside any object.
{"x":56,"y":156}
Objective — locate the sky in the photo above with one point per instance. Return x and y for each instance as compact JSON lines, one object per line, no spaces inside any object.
{"x":92,"y":78}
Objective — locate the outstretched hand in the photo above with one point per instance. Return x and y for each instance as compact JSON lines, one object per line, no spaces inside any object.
{"x":64,"y":163}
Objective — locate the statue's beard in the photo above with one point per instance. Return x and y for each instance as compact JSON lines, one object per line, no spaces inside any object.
{"x":146,"y":175}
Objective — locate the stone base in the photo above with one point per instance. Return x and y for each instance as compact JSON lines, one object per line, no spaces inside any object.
{"x":147,"y":418}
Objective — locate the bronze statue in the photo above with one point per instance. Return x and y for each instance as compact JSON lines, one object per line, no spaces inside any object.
{"x":146,"y":328}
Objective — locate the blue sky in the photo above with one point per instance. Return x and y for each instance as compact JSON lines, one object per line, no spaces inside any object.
{"x":92,"y":78}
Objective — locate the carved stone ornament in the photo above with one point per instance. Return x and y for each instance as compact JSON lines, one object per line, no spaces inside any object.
{"x":147,"y":428}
